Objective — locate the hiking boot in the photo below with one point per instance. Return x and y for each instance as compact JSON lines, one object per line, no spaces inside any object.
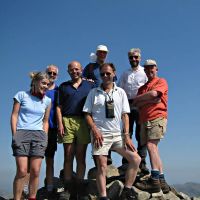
{"x":128,"y":194}
{"x":164,"y":186}
{"x":151,"y":185}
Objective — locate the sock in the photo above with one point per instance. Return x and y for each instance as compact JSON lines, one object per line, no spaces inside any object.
{"x":162,"y":176}
{"x":49,"y":188}
{"x":155,"y":174}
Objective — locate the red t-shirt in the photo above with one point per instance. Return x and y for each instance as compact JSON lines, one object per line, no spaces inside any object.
{"x":154,"y":110}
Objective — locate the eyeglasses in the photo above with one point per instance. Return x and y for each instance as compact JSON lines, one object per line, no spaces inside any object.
{"x":105,"y":73}
{"x":52,"y":73}
{"x":131,"y":57}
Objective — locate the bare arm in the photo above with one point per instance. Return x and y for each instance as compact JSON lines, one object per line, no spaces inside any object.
{"x":14,"y":116}
{"x":61,"y":130}
{"x":46,"y":119}
{"x":127,"y":139}
{"x":97,"y":136}
{"x":152,"y":101}
{"x":146,"y":98}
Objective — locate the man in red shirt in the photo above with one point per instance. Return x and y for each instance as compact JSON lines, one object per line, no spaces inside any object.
{"x":152,"y":104}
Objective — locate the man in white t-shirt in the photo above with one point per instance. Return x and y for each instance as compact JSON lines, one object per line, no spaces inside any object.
{"x":131,"y":80}
{"x":105,"y":108}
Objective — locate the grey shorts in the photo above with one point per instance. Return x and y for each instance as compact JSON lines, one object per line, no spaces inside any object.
{"x":29,"y":143}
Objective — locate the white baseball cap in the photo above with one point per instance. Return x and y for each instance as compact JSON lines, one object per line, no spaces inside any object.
{"x":150,"y":62}
{"x":102,"y":48}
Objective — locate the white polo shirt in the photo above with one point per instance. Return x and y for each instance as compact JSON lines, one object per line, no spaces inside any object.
{"x":132,"y":80}
{"x":95,"y":105}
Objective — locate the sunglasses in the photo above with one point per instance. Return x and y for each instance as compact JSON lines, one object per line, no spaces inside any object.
{"x":105,"y":73}
{"x":52,"y":73}
{"x":131,"y":57}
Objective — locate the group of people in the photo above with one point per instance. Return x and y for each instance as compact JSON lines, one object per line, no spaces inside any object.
{"x":93,"y":106}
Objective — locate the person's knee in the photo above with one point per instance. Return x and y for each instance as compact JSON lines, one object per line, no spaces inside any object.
{"x":21,"y":173}
{"x":135,"y":159}
{"x":35,"y":172}
{"x":101,"y":167}
{"x":152,"y":145}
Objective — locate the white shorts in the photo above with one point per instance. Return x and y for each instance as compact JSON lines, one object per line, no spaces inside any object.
{"x":110,"y":142}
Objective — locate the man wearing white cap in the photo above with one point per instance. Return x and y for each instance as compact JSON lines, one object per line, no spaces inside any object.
{"x":91,"y":71}
{"x":131,"y":80}
{"x":152,"y":104}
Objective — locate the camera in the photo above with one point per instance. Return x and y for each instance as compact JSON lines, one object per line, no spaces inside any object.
{"x":110,"y":109}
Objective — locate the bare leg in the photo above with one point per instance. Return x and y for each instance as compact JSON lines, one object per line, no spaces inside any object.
{"x":134,"y":162}
{"x":101,"y":174}
{"x":18,"y":184}
{"x":68,"y":160}
{"x":80,"y":159}
{"x":156,"y":163}
{"x":49,"y":170}
{"x":35,"y":165}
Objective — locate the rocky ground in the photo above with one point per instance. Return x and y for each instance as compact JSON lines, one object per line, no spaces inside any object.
{"x":115,"y":179}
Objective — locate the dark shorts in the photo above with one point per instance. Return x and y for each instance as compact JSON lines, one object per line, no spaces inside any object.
{"x":29,"y":143}
{"x":52,"y":143}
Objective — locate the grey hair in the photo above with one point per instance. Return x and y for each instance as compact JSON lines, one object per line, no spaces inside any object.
{"x":36,"y":77}
{"x":135,"y":50}
{"x":51,"y":65}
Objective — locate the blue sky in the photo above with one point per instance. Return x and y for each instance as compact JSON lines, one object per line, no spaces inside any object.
{"x":36,"y":33}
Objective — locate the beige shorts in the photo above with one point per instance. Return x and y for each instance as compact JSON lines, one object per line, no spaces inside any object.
{"x":110,"y":142}
{"x":153,"y":130}
{"x":76,"y":130}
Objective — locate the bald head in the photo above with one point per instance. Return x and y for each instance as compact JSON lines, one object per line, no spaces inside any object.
{"x":75,"y":70}
{"x":73,"y":64}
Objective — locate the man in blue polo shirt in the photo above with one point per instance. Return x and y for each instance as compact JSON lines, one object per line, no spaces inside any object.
{"x":72,"y":128}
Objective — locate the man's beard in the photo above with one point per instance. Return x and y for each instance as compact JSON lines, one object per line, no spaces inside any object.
{"x":134,"y":64}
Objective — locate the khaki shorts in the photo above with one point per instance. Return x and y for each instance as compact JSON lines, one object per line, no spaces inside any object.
{"x":153,"y":130}
{"x":76,"y":131}
{"x":110,"y":142}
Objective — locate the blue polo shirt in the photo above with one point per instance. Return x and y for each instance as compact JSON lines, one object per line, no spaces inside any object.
{"x":72,"y":99}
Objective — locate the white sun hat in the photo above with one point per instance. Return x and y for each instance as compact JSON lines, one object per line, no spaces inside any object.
{"x":102,"y":48}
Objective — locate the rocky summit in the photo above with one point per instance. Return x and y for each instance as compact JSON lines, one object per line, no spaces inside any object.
{"x":115,"y":180}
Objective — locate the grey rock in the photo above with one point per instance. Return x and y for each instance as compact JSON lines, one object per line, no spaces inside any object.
{"x":111,"y":171}
{"x":143,"y":195}
{"x":184,"y":196}
{"x":170,"y":196}
{"x":114,"y":189}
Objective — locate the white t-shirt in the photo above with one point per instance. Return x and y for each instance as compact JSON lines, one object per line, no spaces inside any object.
{"x":31,"y":111}
{"x":132,"y":80}
{"x":95,"y":105}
